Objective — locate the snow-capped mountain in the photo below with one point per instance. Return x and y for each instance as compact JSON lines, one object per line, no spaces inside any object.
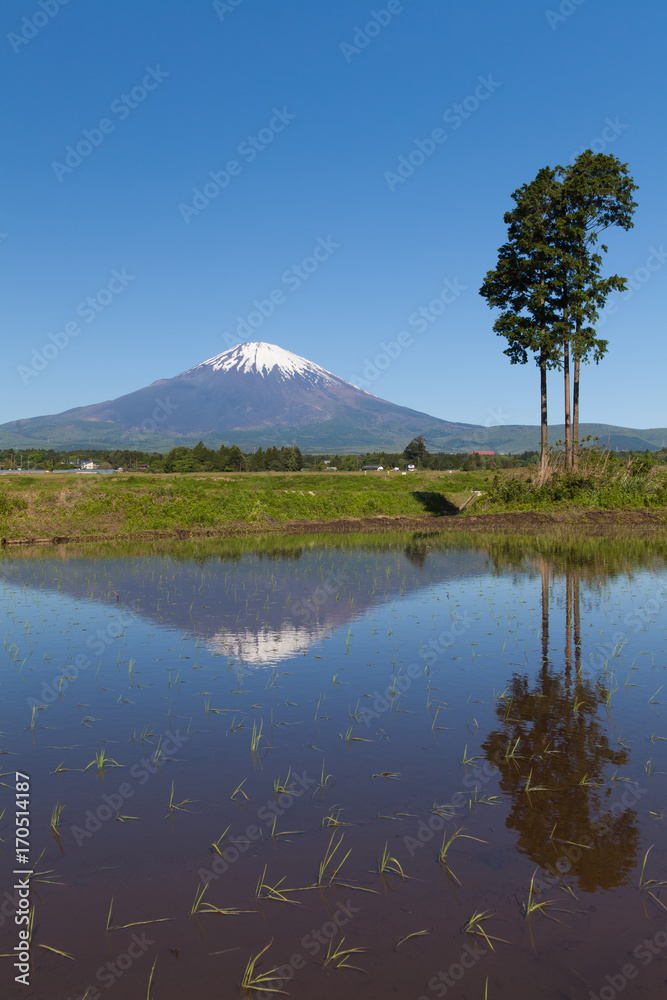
{"x":264,"y":359}
{"x":252,"y":394}
{"x":259,"y":394}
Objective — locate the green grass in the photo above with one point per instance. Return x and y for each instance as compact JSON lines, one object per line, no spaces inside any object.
{"x":62,"y":504}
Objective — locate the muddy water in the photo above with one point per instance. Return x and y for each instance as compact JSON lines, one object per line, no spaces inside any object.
{"x":395,"y":695}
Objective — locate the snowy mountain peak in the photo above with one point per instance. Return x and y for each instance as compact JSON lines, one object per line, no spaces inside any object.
{"x":263,"y":358}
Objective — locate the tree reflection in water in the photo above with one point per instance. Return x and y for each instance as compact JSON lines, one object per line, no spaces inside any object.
{"x":551,"y":740}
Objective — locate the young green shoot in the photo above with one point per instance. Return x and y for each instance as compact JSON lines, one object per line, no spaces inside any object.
{"x":474,"y":926}
{"x":339,"y":957}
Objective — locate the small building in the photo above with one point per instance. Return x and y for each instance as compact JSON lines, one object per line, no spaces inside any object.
{"x":372,"y":468}
{"x":482,"y":452}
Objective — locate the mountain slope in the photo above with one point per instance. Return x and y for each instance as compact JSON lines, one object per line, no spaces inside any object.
{"x":259,"y":394}
{"x":254,"y":394}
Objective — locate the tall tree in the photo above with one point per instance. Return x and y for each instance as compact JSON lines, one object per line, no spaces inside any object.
{"x":522,"y":286}
{"x":548,"y":280}
{"x":595,"y":194}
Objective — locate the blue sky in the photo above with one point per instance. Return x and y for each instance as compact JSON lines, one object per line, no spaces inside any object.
{"x":291,"y":120}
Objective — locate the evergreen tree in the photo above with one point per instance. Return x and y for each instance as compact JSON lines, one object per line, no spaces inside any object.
{"x":522,"y":286}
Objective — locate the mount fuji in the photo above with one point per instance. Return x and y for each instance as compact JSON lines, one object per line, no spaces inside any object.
{"x":259,"y":394}
{"x":253,"y":394}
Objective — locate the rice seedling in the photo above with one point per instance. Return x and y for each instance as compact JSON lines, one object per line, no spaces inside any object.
{"x":150,"y":978}
{"x":215,"y":847}
{"x":55,"y":818}
{"x":199,"y":906}
{"x":326,"y":782}
{"x":265,"y":891}
{"x":177,"y":805}
{"x":650,"y":884}
{"x":333,"y":819}
{"x":261,"y":981}
{"x":408,"y":937}
{"x":474,"y":927}
{"x":136,"y":923}
{"x":389,"y":865}
{"x":102,"y":763}
{"x":529,"y":787}
{"x":283,"y":787}
{"x":357,"y":716}
{"x":466,"y":759}
{"x":447,"y":843}
{"x":483,"y":800}
{"x":282,"y":833}
{"x":257,"y":737}
{"x":532,"y":906}
{"x":388,"y":774}
{"x":349,"y":738}
{"x":235,"y":726}
{"x":57,"y":951}
{"x":324,"y":877}
{"x":339,"y":957}
{"x":239,"y":791}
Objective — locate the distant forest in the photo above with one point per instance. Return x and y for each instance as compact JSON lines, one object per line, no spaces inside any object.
{"x":274,"y":459}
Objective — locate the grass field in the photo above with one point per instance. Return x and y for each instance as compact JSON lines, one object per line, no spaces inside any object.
{"x":70,"y":504}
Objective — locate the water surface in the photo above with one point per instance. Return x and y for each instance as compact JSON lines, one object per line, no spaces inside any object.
{"x":395,"y":692}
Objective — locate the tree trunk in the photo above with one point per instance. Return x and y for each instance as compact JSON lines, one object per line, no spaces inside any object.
{"x":575,"y":406}
{"x":577,"y":625}
{"x":566,"y":387}
{"x":544,"y":431}
{"x":545,"y":616}
{"x":568,"y":629}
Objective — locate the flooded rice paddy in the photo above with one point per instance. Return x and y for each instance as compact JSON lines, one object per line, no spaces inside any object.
{"x":409,"y":768}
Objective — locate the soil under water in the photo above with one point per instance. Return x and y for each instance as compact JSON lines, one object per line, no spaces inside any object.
{"x":274,"y":724}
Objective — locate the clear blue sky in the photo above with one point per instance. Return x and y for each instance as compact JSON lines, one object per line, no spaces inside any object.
{"x":171,"y":91}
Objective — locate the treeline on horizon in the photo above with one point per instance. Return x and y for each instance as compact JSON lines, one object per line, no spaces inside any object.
{"x":273,"y":459}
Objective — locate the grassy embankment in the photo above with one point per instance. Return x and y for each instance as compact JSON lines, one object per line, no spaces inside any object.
{"x":43,"y":506}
